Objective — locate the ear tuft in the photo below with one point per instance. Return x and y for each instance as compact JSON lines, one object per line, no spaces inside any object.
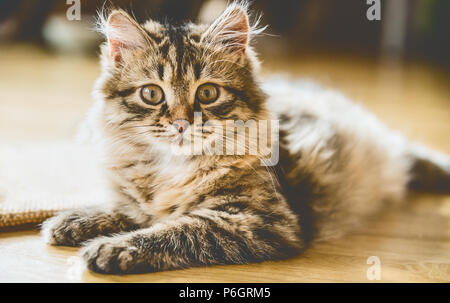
{"x":123,"y":33}
{"x":231,"y":30}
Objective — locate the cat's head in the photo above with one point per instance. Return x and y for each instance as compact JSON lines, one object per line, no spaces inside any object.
{"x":155,"y":76}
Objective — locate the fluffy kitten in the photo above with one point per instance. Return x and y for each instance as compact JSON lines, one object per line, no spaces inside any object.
{"x":338,"y":164}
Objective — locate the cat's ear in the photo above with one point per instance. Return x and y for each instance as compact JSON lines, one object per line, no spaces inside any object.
{"x":123,"y":33}
{"x":231,"y":30}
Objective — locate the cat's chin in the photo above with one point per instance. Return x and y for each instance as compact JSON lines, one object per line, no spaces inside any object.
{"x":184,"y":148}
{"x":173,"y":147}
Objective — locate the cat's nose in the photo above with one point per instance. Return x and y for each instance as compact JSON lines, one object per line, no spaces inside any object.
{"x":180,"y":125}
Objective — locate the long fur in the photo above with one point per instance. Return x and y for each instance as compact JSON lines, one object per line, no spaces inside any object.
{"x":338,"y":164}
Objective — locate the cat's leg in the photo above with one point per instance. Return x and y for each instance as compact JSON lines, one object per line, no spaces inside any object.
{"x":194,"y":240}
{"x":73,"y":227}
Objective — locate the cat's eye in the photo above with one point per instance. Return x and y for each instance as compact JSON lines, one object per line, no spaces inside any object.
{"x":152,"y":94}
{"x":207,"y":93}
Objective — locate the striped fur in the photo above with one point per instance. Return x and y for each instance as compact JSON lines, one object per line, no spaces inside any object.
{"x":338,"y":164}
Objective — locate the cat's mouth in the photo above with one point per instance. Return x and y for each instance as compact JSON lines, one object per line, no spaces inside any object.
{"x":181,"y":140}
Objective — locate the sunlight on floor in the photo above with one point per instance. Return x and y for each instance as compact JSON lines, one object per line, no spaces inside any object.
{"x":44,"y":97}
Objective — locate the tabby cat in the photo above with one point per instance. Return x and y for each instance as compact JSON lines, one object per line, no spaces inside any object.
{"x":338,"y":164}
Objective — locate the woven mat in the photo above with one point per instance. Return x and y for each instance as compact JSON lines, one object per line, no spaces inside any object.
{"x":39,"y":179}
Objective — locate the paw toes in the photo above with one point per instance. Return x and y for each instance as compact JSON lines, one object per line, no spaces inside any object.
{"x":63,"y":231}
{"x":110,"y":258}
{"x":126,"y":259}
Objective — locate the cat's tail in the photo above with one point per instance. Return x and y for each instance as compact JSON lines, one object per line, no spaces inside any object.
{"x":429,"y":170}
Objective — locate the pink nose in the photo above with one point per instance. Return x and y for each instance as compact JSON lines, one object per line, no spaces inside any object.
{"x":180,"y":125}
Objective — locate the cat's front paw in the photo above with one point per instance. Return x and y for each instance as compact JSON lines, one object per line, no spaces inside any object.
{"x":68,"y":228}
{"x":113,"y":255}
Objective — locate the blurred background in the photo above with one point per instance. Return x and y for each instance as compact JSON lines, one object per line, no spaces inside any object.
{"x":398,"y":66}
{"x":408,"y":28}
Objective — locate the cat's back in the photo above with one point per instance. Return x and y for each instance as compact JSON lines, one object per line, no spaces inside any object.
{"x":335,"y":151}
{"x":310,"y":114}
{"x":291,"y":98}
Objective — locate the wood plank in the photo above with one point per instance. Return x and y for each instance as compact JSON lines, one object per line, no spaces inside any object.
{"x":44,"y":97}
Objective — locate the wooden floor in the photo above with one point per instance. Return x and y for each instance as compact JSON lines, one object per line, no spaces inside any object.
{"x":43,"y":97}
